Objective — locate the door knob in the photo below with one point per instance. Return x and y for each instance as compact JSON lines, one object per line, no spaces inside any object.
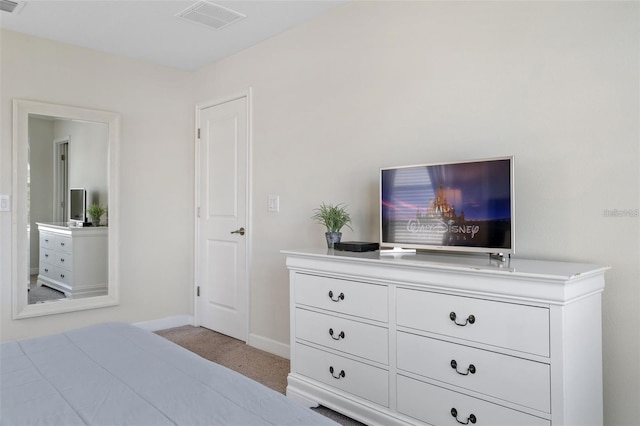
{"x":238,"y":231}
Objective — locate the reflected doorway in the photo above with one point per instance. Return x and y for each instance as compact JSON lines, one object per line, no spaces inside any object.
{"x":42,"y":293}
{"x":61,"y":180}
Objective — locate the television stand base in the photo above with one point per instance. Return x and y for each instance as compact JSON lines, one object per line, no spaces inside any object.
{"x":500,"y":257}
{"x":397,"y":250}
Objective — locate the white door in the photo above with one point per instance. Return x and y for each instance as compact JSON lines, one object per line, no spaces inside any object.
{"x":222,"y":292}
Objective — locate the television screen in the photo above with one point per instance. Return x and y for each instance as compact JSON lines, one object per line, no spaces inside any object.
{"x":77,"y":204}
{"x":464,"y":206}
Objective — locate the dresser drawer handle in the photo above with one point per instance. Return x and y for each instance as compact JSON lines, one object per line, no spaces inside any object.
{"x":470,"y":369}
{"x":339,"y":376}
{"x":62,"y":260}
{"x":340,"y":296}
{"x":46,"y":255}
{"x":470,"y":419}
{"x":340,"y":336}
{"x":61,"y":275}
{"x":46,"y":240}
{"x":470,"y":319}
{"x":62,"y":244}
{"x":46,"y":269}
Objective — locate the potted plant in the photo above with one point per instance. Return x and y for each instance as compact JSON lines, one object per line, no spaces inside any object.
{"x":96,"y":211}
{"x":333,"y":218}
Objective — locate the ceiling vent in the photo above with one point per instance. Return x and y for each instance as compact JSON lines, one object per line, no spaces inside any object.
{"x":11,"y":6}
{"x":210,"y":14}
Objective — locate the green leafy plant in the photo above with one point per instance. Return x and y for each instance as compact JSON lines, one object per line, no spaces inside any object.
{"x":96,"y":211}
{"x":332,"y":217}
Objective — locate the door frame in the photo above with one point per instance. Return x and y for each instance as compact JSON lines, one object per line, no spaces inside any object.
{"x":246,"y":93}
{"x":61,"y":179}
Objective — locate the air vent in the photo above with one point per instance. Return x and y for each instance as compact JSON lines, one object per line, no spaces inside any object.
{"x":210,"y":14}
{"x":11,"y":6}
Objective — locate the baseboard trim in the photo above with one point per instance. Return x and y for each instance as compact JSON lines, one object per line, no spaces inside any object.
{"x":164,"y":323}
{"x":269,"y":345}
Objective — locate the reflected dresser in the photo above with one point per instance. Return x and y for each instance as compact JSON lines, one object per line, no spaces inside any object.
{"x":73,"y":260}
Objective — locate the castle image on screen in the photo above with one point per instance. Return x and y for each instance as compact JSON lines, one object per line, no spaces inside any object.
{"x":457,"y":205}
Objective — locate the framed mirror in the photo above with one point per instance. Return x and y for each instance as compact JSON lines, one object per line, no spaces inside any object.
{"x":65,"y":168}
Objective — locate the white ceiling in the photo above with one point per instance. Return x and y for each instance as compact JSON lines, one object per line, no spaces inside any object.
{"x":150,"y":31}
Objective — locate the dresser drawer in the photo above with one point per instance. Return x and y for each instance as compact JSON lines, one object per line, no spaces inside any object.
{"x":357,"y":378}
{"x":48,"y":270}
{"x":64,"y":244}
{"x":55,"y":242}
{"x":46,"y":256}
{"x":353,"y":337}
{"x":506,"y":377}
{"x":348,"y":297}
{"x":506,"y":325}
{"x":63,"y":260}
{"x":47,"y":240}
{"x":56,"y":273}
{"x":439,"y":406}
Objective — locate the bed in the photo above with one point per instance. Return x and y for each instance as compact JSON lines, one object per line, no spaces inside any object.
{"x":119,"y":374}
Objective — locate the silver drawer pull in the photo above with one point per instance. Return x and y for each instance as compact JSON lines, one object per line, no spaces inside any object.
{"x":471,"y":369}
{"x":340,"y":296}
{"x":339,"y":376}
{"x":470,"y":419}
{"x":470,"y":319}
{"x":340,"y":336}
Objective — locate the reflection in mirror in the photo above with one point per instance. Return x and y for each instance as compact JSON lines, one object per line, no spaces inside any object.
{"x":67,"y":257}
{"x":65,"y":186}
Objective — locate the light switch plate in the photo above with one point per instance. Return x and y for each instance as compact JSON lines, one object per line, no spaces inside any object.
{"x":5,"y":203}
{"x":273,"y":203}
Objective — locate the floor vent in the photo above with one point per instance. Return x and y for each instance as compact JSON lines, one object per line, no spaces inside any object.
{"x":11,"y":6}
{"x":210,"y":14}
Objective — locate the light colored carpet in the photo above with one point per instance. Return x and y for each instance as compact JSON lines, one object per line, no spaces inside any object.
{"x":263,"y":367}
{"x":43,"y":294}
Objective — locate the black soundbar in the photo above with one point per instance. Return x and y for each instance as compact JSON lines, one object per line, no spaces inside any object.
{"x":356,"y":246}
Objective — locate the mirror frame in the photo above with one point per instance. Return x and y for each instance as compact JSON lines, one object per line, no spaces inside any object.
{"x":21,"y":111}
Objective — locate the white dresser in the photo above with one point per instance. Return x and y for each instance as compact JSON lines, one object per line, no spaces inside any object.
{"x":446,"y":339}
{"x":73,"y":260}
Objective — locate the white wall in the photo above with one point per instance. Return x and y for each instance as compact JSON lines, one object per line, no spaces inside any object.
{"x":373,"y":84}
{"x":41,"y":194}
{"x":88,"y":153}
{"x":156,"y":171}
{"x":389,"y":83}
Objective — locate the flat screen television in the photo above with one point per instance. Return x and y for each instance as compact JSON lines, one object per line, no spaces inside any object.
{"x":78,"y":205}
{"x":463,"y":206}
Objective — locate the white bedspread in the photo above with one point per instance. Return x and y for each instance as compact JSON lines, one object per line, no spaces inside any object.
{"x":118,"y":374}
